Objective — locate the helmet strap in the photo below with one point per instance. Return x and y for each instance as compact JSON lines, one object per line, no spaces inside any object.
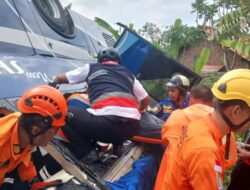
{"x":232,"y":126}
{"x":26,"y":125}
{"x":42,"y":131}
{"x":228,"y":138}
{"x":47,"y":120}
{"x":181,"y":93}
{"x":31,"y":137}
{"x":178,"y":98}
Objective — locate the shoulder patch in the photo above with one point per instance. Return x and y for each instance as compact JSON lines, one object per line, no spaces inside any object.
{"x":167,"y":109}
{"x":16,"y":149}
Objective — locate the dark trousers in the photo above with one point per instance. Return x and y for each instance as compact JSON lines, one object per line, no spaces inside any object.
{"x":240,"y":177}
{"x":13,"y":182}
{"x":82,"y":128}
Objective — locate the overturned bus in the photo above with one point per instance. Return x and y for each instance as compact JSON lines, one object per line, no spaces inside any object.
{"x":40,"y":39}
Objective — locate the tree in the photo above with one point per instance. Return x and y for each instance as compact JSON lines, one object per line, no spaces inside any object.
{"x":173,"y":40}
{"x":204,"y":12}
{"x":229,"y":23}
{"x":152,"y":33}
{"x":179,"y":36}
{"x":107,"y":26}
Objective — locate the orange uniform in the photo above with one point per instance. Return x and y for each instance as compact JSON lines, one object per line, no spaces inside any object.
{"x":12,"y":156}
{"x":175,"y":132}
{"x":172,"y":129}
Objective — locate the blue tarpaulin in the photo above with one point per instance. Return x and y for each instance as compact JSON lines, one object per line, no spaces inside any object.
{"x":141,"y":177}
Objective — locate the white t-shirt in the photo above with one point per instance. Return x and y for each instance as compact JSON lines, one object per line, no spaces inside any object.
{"x":80,"y":74}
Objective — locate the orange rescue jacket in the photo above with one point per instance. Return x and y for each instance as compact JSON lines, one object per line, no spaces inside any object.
{"x":174,"y":132}
{"x":12,"y":156}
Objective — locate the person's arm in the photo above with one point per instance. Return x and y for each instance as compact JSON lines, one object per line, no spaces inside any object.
{"x":73,"y":77}
{"x":244,"y":152}
{"x":141,"y":95}
{"x":144,"y":103}
{"x":61,"y":79}
{"x":204,"y":170}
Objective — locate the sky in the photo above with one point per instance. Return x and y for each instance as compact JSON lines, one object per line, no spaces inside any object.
{"x":160,"y":12}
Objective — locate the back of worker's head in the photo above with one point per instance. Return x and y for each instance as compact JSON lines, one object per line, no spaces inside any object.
{"x":108,"y":54}
{"x":44,"y":107}
{"x":179,"y":81}
{"x":232,"y":89}
{"x":201,"y":94}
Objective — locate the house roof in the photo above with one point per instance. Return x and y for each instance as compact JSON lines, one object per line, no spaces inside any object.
{"x":212,"y":68}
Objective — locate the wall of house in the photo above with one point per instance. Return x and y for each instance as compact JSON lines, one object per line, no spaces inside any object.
{"x":216,"y":57}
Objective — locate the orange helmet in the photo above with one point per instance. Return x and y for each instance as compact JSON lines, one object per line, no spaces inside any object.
{"x":46,"y":101}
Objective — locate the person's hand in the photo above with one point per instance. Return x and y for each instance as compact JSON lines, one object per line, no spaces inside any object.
{"x":53,"y":84}
{"x":243,"y":150}
{"x":44,"y":185}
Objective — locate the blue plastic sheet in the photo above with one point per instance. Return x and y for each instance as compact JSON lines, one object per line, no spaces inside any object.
{"x":78,"y":103}
{"x":141,"y":177}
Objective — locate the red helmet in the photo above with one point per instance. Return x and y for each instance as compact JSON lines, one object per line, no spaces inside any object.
{"x":46,"y":101}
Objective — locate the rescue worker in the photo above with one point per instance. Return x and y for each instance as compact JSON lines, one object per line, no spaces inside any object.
{"x":42,"y":111}
{"x":177,"y":123}
{"x":201,"y":94}
{"x":177,"y":88}
{"x":114,"y":94}
{"x":241,"y":172}
{"x":201,"y":101}
{"x":201,"y":153}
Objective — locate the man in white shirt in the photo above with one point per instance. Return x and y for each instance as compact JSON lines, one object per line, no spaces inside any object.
{"x":116,"y":99}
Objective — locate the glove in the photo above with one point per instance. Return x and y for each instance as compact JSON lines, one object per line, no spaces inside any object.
{"x":42,"y":185}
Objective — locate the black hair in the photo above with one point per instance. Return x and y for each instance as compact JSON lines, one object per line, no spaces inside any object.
{"x":32,"y":119}
{"x":202,"y":92}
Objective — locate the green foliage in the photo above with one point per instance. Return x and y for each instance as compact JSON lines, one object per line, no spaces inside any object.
{"x":170,"y":41}
{"x":105,"y":25}
{"x":210,"y":79}
{"x":234,"y":23}
{"x":228,"y":25}
{"x":204,"y":12}
{"x":172,"y":38}
{"x":227,"y":177}
{"x":245,"y":7}
{"x":229,"y":22}
{"x":151,"y":32}
{"x":131,"y":26}
{"x":178,"y":36}
{"x":156,"y":88}
{"x":241,"y":48}
{"x":201,"y":60}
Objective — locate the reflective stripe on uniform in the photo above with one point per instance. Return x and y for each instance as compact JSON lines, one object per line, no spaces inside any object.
{"x":113,"y":94}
